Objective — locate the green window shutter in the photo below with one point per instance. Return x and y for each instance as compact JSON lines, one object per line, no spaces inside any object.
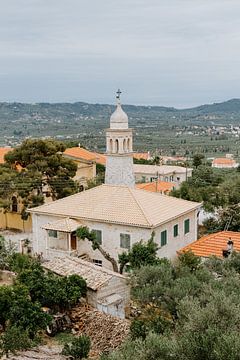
{"x":98,"y":234}
{"x":186,"y":226}
{"x":125,"y":241}
{"x":175,"y":230}
{"x":52,"y":233}
{"x":163,"y":237}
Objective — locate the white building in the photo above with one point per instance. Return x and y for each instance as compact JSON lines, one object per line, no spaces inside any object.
{"x":120,"y":214}
{"x":169,"y":173}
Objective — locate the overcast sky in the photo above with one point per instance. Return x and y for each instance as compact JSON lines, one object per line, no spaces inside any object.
{"x":163,"y":52}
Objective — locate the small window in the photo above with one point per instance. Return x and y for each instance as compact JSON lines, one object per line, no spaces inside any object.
{"x":98,"y":234}
{"x":14,"y":204}
{"x":175,"y":230}
{"x":97,"y":262}
{"x":186,"y":226}
{"x":163,"y":237}
{"x":52,"y":233}
{"x":125,"y":241}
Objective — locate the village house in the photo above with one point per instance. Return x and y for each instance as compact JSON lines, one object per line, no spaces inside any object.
{"x":119,"y":214}
{"x":225,"y":163}
{"x":86,"y":164}
{"x":168,"y":173}
{"x":107,"y":291}
{"x":163,"y":187}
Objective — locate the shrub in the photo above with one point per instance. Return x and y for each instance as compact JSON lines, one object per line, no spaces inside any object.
{"x":78,"y":348}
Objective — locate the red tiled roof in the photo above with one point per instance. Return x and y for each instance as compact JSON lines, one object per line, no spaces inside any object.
{"x":140,"y":156}
{"x":213,"y":244}
{"x":224,"y":161}
{"x":80,"y":153}
{"x":160,"y":186}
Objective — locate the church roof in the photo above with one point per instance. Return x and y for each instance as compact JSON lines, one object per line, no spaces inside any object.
{"x":119,"y":205}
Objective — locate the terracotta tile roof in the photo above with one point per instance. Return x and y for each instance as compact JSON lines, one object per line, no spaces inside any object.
{"x":80,"y":153}
{"x":223,"y":161}
{"x":120,"y":205}
{"x":161,"y":169}
{"x":145,"y":156}
{"x":65,"y":225}
{"x":3,"y":152}
{"x":95,"y":276}
{"x":160,"y":186}
{"x":213,"y":244}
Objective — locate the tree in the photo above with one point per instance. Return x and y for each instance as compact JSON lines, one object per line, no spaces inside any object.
{"x":6,"y":252}
{"x":43,"y":159}
{"x":14,"y":338}
{"x":227,"y":218}
{"x":205,"y":322}
{"x":83,"y":233}
{"x":51,"y":290}
{"x":141,"y":254}
{"x":197,"y":159}
{"x":78,"y":349}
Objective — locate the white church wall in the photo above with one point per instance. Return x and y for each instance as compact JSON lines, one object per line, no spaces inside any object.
{"x":111,"y":237}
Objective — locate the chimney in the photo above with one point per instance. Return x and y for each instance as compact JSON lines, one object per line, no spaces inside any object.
{"x":228,"y":252}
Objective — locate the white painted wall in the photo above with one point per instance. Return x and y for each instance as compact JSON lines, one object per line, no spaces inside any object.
{"x":111,"y":237}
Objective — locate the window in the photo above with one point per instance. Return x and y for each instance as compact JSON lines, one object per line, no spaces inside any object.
{"x":175,"y":230}
{"x":163,"y":237}
{"x":125,"y":241}
{"x":97,"y":262}
{"x":52,"y":233}
{"x":14,"y":204}
{"x":186,"y":226}
{"x":98,"y":234}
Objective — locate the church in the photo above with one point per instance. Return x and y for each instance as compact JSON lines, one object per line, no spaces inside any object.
{"x":118,"y":212}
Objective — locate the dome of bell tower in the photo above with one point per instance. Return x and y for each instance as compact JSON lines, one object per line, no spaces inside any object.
{"x":119,"y":119}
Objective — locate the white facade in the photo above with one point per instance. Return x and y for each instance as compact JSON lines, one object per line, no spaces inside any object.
{"x":119,"y":154}
{"x":111,"y":242}
{"x":169,"y":173}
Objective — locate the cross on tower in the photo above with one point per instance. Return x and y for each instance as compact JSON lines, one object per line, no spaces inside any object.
{"x":118,"y":94}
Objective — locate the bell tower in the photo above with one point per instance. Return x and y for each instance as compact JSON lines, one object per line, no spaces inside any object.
{"x":119,"y":164}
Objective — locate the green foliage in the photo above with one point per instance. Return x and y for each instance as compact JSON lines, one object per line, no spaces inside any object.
{"x":13,"y":339}
{"x":227,"y":218}
{"x":18,"y":309}
{"x":51,"y":290}
{"x":7,"y":250}
{"x":19,"y":262}
{"x":78,"y":348}
{"x":190,"y":260}
{"x":197,"y":159}
{"x":188,"y":312}
{"x":141,"y":254}
{"x":43,"y":164}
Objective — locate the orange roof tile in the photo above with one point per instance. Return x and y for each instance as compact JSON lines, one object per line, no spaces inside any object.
{"x":213,"y":244}
{"x":224,"y":161}
{"x":80,"y":153}
{"x":161,"y":186}
{"x":139,"y":156}
{"x":3,"y":152}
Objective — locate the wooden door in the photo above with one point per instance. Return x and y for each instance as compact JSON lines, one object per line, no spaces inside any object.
{"x":73,"y":241}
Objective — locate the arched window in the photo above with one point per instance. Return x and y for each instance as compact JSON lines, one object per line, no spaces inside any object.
{"x":14,"y":204}
{"x":124,"y":145}
{"x":128,"y":145}
{"x":111,"y":146}
{"x":117,"y":146}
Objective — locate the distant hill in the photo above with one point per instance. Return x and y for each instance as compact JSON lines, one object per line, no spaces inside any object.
{"x":230,"y":106}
